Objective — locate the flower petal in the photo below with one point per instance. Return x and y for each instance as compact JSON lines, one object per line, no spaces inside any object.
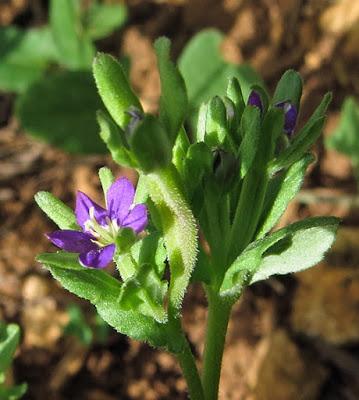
{"x":255,"y":100}
{"x":72,"y":241}
{"x":82,"y":210}
{"x":98,"y":258}
{"x":120,"y":198}
{"x":290,"y":116}
{"x":136,"y":218}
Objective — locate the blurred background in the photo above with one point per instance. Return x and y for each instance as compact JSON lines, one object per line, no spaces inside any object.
{"x":289,"y":338}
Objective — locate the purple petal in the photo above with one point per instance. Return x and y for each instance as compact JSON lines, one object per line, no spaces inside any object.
{"x":72,"y":241}
{"x":255,"y":100}
{"x":290,"y":116}
{"x":120,"y":198}
{"x":83,"y":206}
{"x":136,"y":218}
{"x":98,"y":258}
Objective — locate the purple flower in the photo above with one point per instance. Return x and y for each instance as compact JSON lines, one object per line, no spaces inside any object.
{"x":255,"y":100}
{"x":100,"y":227}
{"x":290,"y":116}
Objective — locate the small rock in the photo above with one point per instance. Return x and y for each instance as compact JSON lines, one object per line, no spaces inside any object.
{"x":326,"y":304}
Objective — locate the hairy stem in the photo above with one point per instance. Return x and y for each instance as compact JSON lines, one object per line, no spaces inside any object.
{"x":217,"y":323}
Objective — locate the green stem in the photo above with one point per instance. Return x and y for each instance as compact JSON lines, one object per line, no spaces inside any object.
{"x":217,"y":323}
{"x":190,"y":372}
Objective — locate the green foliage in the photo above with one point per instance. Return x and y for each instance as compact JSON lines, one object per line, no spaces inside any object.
{"x":173,"y":109}
{"x":206,"y":73}
{"x":78,"y":326}
{"x":9,"y":340}
{"x":56,"y":210}
{"x":289,"y":88}
{"x":58,"y":106}
{"x":114,"y":88}
{"x":100,"y":20}
{"x":345,"y":138}
{"x":61,"y":110}
{"x":103,"y":292}
{"x":291,"y":249}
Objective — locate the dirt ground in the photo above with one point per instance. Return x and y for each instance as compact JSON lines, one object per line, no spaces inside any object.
{"x":289,"y":338}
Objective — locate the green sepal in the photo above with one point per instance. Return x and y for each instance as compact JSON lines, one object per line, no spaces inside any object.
{"x":145,"y":293}
{"x":56,"y":210}
{"x":289,"y":88}
{"x":251,"y":129}
{"x":9,"y":340}
{"x":281,"y":190}
{"x":173,"y":101}
{"x":125,"y":239}
{"x":201,"y":123}
{"x":106,"y":179}
{"x":263,"y":95}
{"x":114,"y":88}
{"x":103,"y":291}
{"x":180,"y":150}
{"x":216,"y":123}
{"x":198,"y":162}
{"x":115,"y":140}
{"x":234,"y":92}
{"x":150,"y":144}
{"x":303,"y":140}
{"x":291,"y":249}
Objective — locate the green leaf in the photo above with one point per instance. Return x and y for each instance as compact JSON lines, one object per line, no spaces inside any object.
{"x":150,"y":144}
{"x":304,"y":139}
{"x":24,"y":56}
{"x":289,"y":88}
{"x":103,"y":291}
{"x":114,"y":88}
{"x":74,"y":47}
{"x":291,"y":249}
{"x":173,"y":101}
{"x":100,"y":20}
{"x":281,"y":191}
{"x":206,"y":73}
{"x":9,"y":340}
{"x":106,"y":179}
{"x":345,"y":138}
{"x":77,"y":325}
{"x":145,"y":293}
{"x":13,"y":393}
{"x":216,"y":123}
{"x":251,"y":129}
{"x":115,"y":140}
{"x":56,"y":210}
{"x":179,"y":151}
{"x":61,"y":110}
{"x":179,"y":231}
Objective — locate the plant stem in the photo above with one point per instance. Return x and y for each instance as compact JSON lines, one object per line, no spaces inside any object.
{"x":217,"y":323}
{"x":190,"y":372}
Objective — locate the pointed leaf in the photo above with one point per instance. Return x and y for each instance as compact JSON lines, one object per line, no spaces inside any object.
{"x":103,"y":292}
{"x":289,"y":88}
{"x":281,"y":191}
{"x":9,"y":340}
{"x":173,"y":102}
{"x":114,"y":88}
{"x":291,"y":249}
{"x":56,"y":210}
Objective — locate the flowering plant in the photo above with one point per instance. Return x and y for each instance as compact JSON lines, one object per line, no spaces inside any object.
{"x":204,"y":207}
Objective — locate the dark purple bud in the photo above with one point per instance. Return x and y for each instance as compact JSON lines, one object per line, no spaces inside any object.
{"x":290,"y":116}
{"x":255,"y":100}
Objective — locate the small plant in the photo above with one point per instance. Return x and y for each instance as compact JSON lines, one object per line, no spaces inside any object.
{"x":203,"y":211}
{"x":9,"y":340}
{"x":345,"y":139}
{"x":50,"y":68}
